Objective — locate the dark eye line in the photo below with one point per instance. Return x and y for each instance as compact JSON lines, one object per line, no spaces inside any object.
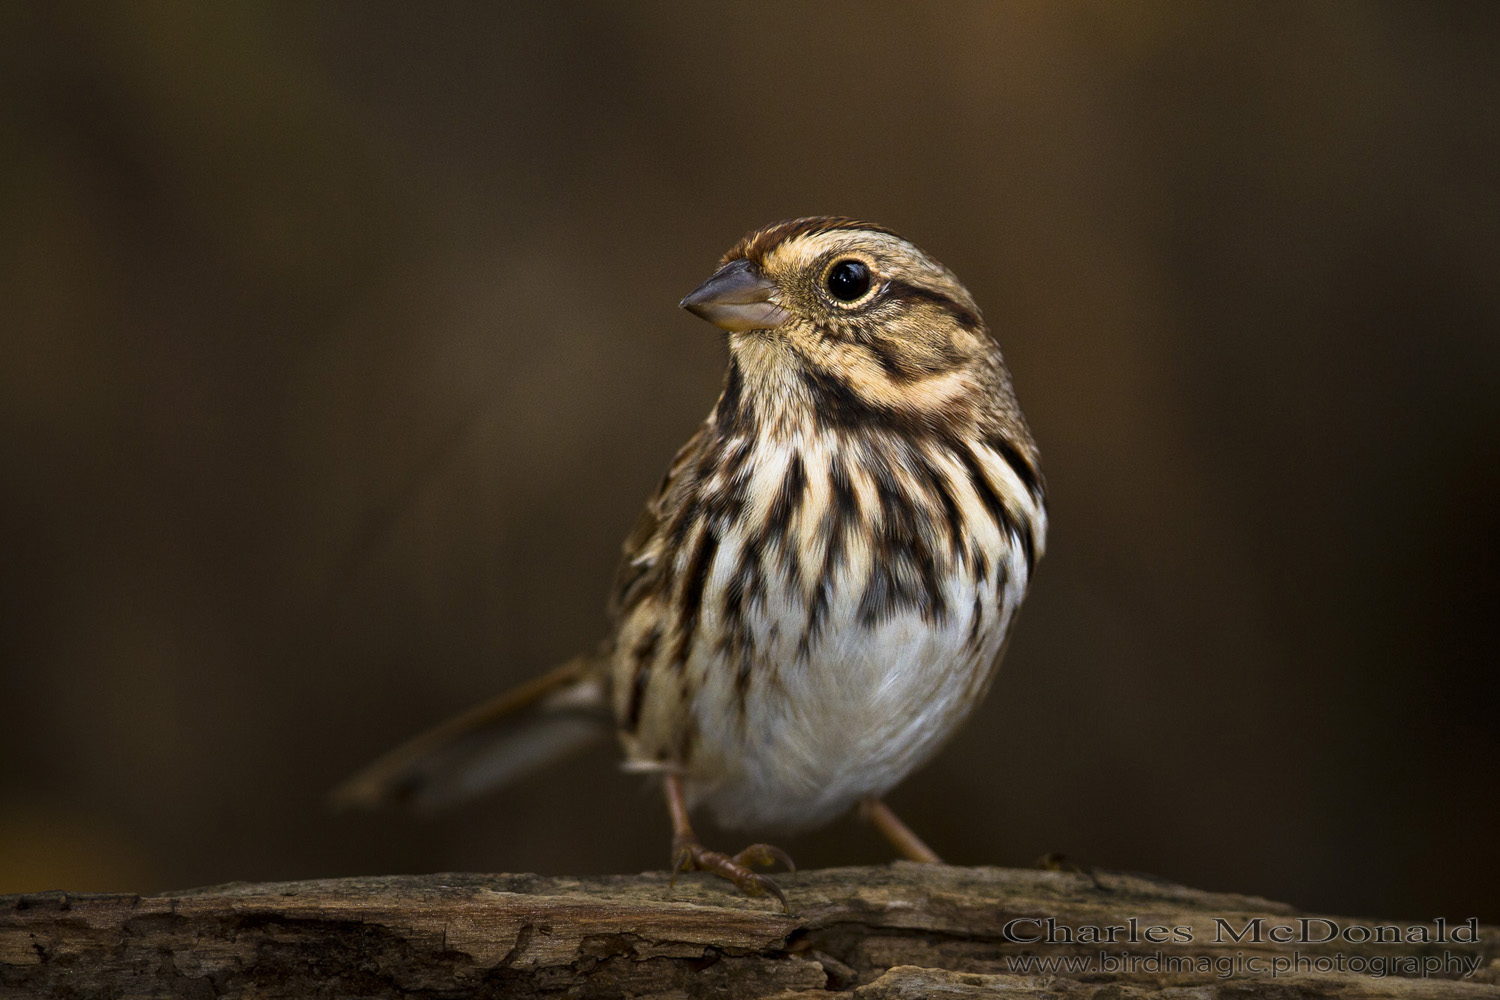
{"x":907,"y":292}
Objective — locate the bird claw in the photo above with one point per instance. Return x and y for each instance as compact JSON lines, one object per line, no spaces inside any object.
{"x":689,"y":855}
{"x":760,"y":855}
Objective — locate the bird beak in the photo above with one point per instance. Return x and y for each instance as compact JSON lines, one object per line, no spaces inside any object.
{"x":738,"y":297}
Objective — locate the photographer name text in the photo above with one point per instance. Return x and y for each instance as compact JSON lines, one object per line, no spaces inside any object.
{"x":1252,"y":930}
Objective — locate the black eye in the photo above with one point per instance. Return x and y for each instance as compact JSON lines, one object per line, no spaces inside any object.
{"x":848,"y":280}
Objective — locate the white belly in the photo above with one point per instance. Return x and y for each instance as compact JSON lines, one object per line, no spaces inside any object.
{"x":852,"y":717}
{"x":769,"y":727}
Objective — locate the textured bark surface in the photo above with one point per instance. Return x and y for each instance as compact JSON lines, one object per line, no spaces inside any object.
{"x":903,"y":931}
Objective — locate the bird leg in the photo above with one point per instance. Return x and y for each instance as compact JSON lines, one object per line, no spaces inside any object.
{"x":898,"y":833}
{"x":689,"y":855}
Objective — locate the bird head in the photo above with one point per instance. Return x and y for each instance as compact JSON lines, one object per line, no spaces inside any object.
{"x":853,"y":308}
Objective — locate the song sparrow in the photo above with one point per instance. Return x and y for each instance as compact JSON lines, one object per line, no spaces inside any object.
{"x":821,"y":588}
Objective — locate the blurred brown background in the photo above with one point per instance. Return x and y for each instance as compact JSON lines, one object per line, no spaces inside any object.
{"x":338,"y":350}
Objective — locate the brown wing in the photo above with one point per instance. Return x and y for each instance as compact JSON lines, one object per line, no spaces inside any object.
{"x":490,"y":745}
{"x":641,"y":564}
{"x":543,"y":719}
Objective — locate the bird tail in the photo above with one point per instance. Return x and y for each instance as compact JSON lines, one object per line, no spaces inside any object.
{"x":490,"y":745}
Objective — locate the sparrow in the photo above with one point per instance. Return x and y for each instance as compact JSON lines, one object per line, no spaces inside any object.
{"x":820,"y":589}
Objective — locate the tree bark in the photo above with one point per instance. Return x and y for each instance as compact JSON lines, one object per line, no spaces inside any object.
{"x":908,"y":930}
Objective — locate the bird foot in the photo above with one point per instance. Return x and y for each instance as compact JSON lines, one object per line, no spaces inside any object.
{"x":689,"y":855}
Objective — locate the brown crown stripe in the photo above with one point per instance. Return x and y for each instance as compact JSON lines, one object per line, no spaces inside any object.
{"x":755,"y":245}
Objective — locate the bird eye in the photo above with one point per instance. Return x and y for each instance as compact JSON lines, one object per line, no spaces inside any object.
{"x":848,"y":280}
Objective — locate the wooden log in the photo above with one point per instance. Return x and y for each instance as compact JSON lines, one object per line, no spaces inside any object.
{"x":906,"y":930}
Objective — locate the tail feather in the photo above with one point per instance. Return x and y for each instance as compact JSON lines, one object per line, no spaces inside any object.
{"x":495,"y":743}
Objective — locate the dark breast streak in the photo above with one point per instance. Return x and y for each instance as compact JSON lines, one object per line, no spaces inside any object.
{"x":915,"y":531}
